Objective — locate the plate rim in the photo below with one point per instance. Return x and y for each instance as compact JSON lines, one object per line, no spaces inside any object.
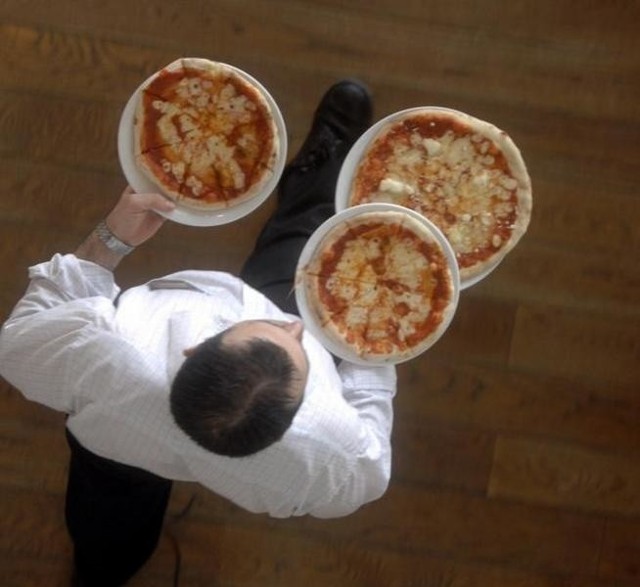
{"x":183,"y":215}
{"x":305,"y":256}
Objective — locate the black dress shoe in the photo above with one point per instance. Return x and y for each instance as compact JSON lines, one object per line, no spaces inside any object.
{"x":344,"y":113}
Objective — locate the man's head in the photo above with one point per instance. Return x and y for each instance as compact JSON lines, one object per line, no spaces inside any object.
{"x":237,"y":392}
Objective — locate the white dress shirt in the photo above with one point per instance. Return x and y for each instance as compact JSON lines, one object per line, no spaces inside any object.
{"x":72,"y":344}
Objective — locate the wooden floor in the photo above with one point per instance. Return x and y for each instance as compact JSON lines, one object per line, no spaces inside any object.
{"x":517,"y":438}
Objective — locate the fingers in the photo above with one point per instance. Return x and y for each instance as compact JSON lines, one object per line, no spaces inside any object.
{"x":156,"y":202}
{"x":148,"y":201}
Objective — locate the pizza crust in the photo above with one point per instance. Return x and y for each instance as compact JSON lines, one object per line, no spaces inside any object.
{"x":464,"y":174}
{"x":209,"y":139}
{"x":523,"y":193}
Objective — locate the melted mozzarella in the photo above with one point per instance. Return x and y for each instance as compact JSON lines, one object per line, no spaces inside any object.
{"x":451,"y":180}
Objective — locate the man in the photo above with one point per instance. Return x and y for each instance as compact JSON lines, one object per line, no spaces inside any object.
{"x":201,"y":376}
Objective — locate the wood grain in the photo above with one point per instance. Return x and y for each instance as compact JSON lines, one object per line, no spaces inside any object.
{"x":516,"y":438}
{"x":488,"y":398}
{"x":447,"y":524}
{"x":534,"y":471}
{"x":570,"y":344}
{"x":442,"y":457}
{"x":604,"y":283}
{"x":468,"y":57}
{"x":34,"y":453}
{"x":481,"y":330}
{"x":621,"y":550}
{"x":41,"y":60}
{"x":346,"y":562}
{"x":33,"y":525}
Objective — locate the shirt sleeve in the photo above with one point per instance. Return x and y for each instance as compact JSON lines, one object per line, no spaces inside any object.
{"x":68,"y":306}
{"x":370,"y":392}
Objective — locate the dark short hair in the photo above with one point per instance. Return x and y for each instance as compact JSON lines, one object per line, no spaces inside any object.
{"x":235,"y":399}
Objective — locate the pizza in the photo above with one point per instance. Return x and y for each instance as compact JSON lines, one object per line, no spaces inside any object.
{"x":380,"y":284}
{"x":463,"y":174}
{"x":205,"y":135}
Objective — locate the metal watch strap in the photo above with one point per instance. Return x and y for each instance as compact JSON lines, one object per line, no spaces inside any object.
{"x":111,"y":241}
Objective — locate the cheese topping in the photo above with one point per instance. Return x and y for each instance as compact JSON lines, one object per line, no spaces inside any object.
{"x":207,"y":120}
{"x":381,"y":285}
{"x":209,"y":131}
{"x":456,"y":177}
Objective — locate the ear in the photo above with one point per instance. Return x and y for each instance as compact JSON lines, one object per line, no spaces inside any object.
{"x":188,"y":352}
{"x":295,"y":328}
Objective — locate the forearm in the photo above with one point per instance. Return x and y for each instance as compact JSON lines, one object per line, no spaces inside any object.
{"x":369,"y":391}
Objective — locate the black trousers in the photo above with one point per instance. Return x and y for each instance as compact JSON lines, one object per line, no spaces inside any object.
{"x":115,"y":512}
{"x":114,"y":515}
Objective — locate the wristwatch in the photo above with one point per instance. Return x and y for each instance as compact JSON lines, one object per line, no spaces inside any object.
{"x":111,"y":241}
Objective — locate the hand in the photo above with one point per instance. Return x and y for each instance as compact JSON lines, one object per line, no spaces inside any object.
{"x":134,"y":219}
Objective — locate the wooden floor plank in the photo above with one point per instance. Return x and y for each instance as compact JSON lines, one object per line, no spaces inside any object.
{"x":287,"y":559}
{"x":534,"y":471}
{"x":481,"y":330}
{"x":588,"y":282}
{"x":251,"y":548}
{"x":41,"y":60}
{"x":621,"y":551}
{"x":488,"y":531}
{"x":475,"y":529}
{"x":33,"y":525}
{"x":553,"y":20}
{"x":573,"y":212}
{"x":71,"y":133}
{"x":466,"y":56}
{"x":443,"y":458}
{"x":21,"y":572}
{"x":447,"y":393}
{"x":571,"y":344}
{"x":55,"y":197}
{"x":34,"y":453}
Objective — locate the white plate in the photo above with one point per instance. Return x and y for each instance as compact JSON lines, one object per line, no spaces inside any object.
{"x":308,"y":317}
{"x":352,"y":160}
{"x":140,"y":183}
